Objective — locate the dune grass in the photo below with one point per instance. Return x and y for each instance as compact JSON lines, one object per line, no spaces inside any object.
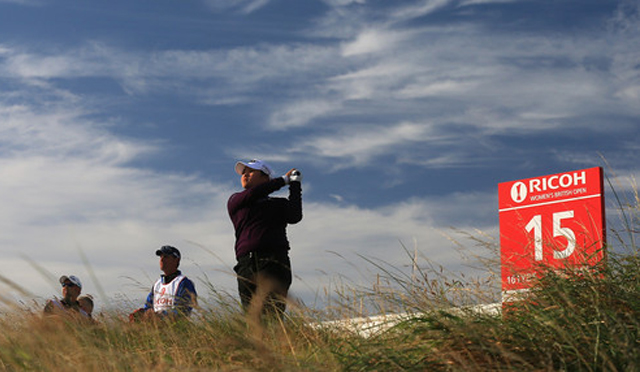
{"x":585,"y":322}
{"x":571,"y":320}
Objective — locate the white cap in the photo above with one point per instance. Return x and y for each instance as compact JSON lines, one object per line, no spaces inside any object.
{"x":254,"y":164}
{"x":72,"y":278}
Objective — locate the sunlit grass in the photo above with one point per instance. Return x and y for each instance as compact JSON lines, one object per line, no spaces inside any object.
{"x":571,"y":320}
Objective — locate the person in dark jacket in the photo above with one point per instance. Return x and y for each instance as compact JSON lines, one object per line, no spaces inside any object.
{"x":260,"y":221}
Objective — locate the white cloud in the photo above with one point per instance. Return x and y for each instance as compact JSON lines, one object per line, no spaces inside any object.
{"x":358,"y":146}
{"x":418,"y":9}
{"x":23,"y":2}
{"x":300,"y":113}
{"x":239,"y":66}
{"x":471,"y":68}
{"x":242,"y":6}
{"x":61,"y":133}
{"x":438,"y":88}
{"x":466,"y":70}
{"x":494,"y":83}
{"x":344,"y":2}
{"x":482,"y":2}
{"x":68,"y":190}
{"x":344,"y":238}
{"x":630,"y":93}
{"x":94,"y":59}
{"x":371,"y":41}
{"x":66,"y":186}
{"x":68,"y":183}
{"x":370,"y":83}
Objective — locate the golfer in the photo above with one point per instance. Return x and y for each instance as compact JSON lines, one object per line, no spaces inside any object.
{"x":262,"y":249}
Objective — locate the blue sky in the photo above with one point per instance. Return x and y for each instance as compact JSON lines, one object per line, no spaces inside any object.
{"x":120,"y":123}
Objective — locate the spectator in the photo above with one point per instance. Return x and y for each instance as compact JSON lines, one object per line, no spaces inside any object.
{"x":86,"y":305}
{"x":71,"y":289}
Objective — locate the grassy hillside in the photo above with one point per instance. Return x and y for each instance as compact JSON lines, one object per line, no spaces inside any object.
{"x":574,"y":321}
{"x":587,"y":322}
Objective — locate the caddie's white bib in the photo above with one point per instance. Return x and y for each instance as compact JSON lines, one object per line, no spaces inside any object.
{"x":164,"y":295}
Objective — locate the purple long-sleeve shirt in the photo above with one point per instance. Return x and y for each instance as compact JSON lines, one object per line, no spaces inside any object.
{"x":260,"y":221}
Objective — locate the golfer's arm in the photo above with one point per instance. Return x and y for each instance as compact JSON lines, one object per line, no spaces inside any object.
{"x":294,"y":206}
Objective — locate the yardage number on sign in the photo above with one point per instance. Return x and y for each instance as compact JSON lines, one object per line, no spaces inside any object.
{"x":555,"y":221}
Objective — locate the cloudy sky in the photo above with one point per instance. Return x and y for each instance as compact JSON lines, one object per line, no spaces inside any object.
{"x":120,"y":123}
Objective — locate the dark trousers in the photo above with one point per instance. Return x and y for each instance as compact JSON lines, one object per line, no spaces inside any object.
{"x":264,"y":281}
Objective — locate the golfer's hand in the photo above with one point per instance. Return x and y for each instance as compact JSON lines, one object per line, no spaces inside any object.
{"x":293,"y":175}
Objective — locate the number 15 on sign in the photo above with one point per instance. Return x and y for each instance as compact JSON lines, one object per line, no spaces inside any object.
{"x":535,"y":226}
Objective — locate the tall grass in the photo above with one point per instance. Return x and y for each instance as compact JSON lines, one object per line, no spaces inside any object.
{"x":582,"y":321}
{"x":571,"y":320}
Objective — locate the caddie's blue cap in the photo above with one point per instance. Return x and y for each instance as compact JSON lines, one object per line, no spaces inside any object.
{"x":167,"y":250}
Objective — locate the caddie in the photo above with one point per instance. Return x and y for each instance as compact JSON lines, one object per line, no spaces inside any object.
{"x":173,"y":295}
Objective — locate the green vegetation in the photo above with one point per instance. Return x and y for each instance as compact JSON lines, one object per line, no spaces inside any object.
{"x":589,"y":322}
{"x":572,"y":320}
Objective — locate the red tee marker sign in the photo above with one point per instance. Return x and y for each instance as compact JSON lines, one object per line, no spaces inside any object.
{"x":550,"y":221}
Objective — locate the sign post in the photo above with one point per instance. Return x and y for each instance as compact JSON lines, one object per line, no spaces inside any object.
{"x":553,"y":221}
